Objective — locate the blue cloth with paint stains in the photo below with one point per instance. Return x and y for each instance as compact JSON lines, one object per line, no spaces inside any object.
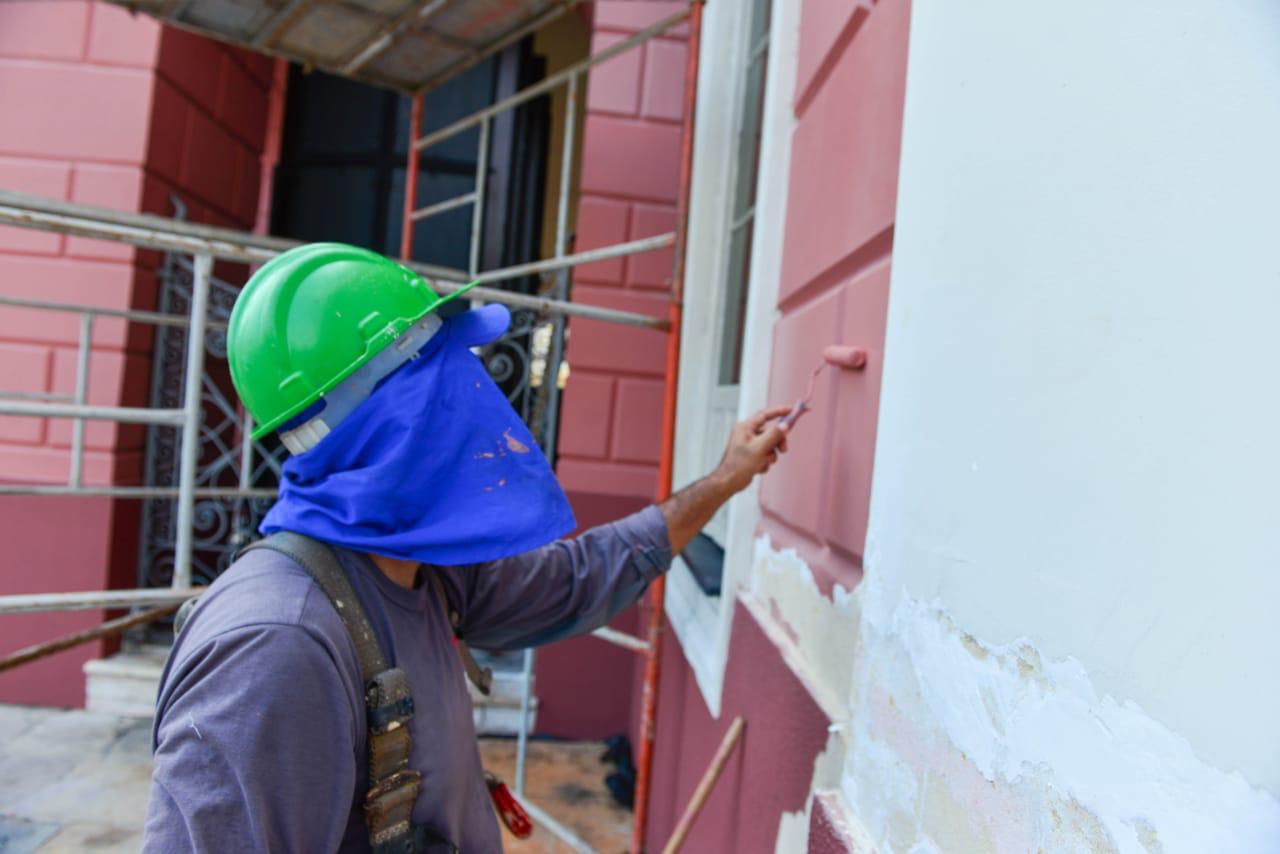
{"x":435,"y":466}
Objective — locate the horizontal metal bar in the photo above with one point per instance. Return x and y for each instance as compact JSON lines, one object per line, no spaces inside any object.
{"x":225,"y":492}
{"x":107,"y":629}
{"x":163,"y":241}
{"x":546,"y":84}
{"x":35,"y":395}
{"x":153,"y":317}
{"x":623,"y":639}
{"x":30,"y":603}
{"x":100,"y":223}
{"x":633,"y":247}
{"x":441,"y":207}
{"x":123,"y":414}
{"x":153,"y":222}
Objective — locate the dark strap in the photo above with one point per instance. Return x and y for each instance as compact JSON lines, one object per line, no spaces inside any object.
{"x":319,"y":561}
{"x":393,"y":787}
{"x":481,"y":678}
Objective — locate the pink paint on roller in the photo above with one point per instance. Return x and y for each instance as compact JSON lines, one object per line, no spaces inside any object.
{"x":841,"y":356}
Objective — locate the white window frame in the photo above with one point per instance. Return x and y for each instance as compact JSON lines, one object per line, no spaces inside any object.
{"x":701,"y":622}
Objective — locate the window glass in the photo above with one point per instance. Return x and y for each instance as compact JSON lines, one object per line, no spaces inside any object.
{"x":742,"y":211}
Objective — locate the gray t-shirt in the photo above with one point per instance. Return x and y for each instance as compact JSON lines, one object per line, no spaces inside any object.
{"x":260,"y":722}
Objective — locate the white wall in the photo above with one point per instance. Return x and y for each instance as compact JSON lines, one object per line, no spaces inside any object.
{"x":1080,"y":419}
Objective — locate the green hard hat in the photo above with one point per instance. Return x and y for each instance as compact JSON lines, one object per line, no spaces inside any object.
{"x":310,"y":317}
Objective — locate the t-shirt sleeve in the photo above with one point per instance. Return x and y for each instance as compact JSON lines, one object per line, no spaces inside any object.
{"x":254,"y":747}
{"x":562,"y":589}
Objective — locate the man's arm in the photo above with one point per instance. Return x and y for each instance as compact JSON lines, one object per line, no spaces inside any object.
{"x":574,"y":586}
{"x":754,"y":446}
{"x":254,"y":747}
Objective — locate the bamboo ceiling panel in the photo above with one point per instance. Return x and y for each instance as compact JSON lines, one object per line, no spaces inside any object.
{"x":408,"y":45}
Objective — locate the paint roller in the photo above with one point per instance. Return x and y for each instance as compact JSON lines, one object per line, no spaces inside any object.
{"x":842,"y":356}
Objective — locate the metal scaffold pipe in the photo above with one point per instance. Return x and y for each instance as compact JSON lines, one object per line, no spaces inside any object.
{"x":666,"y":463}
{"x":168,"y":235}
{"x":192,"y":410}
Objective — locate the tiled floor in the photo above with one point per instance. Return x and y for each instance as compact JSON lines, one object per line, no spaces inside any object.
{"x":73,"y":781}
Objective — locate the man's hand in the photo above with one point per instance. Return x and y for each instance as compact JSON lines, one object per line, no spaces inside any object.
{"x":754,"y":446}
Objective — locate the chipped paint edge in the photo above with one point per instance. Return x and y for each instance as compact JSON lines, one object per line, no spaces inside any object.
{"x":947,"y":742}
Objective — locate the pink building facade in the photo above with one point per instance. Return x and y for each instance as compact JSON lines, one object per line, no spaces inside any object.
{"x":104,"y":108}
{"x":1012,"y":587}
{"x":147,"y":112}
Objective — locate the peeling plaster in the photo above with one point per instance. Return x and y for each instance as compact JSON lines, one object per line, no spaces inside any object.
{"x":954,"y":744}
{"x":821,"y":629}
{"x":793,"y":827}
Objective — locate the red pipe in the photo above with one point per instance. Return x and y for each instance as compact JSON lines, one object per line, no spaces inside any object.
{"x":411,"y":180}
{"x":653,"y":664}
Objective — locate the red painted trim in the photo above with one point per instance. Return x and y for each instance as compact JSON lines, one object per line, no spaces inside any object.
{"x":653,"y":665}
{"x":271,"y":147}
{"x":411,"y":179}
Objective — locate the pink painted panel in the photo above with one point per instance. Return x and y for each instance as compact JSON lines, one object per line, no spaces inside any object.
{"x":793,"y":490}
{"x":113,"y":377}
{"x":857,"y":406}
{"x":651,"y":269}
{"x":608,"y":478}
{"x":610,"y":346}
{"x":38,"y":29}
{"x":44,"y":558}
{"x":166,"y":142}
{"x":117,"y":37}
{"x":565,"y":668}
{"x":102,"y":112}
{"x":587,"y":413}
{"x":844,"y":161}
{"x":209,"y":161}
{"x":770,"y":771}
{"x":631,"y":158}
{"x":244,"y":205}
{"x":601,"y":222}
{"x":96,"y":283}
{"x":664,"y":67}
{"x":825,"y":28}
{"x":613,"y":86}
{"x":637,"y":421}
{"x":43,"y":179}
{"x":23,"y":368}
{"x":193,"y":64}
{"x":630,"y":16}
{"x":115,"y":187}
{"x":242,"y":105}
{"x":829,"y":831}
{"x":42,"y":464}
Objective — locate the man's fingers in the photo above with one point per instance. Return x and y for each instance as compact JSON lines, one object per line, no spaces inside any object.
{"x":756,"y":422}
{"x":769,"y":438}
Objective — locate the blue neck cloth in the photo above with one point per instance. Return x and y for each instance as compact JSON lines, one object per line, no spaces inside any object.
{"x":434,"y":466}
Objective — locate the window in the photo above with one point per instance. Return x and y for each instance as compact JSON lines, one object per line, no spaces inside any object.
{"x":743,"y":210}
{"x":747,"y":76}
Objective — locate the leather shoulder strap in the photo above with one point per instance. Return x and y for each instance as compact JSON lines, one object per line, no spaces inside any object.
{"x":482,"y":678}
{"x":318,"y":559}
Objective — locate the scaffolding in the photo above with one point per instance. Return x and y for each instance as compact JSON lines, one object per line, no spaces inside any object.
{"x":205,"y":244}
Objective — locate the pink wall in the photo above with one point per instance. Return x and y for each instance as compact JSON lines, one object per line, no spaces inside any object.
{"x":108,"y":109}
{"x":630,"y":171}
{"x":611,"y":421}
{"x":835,"y":275}
{"x":834,"y":289}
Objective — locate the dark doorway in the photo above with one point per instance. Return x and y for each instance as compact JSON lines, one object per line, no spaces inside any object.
{"x":343,"y":157}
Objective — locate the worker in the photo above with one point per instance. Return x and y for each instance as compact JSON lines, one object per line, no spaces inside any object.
{"x":415,"y":513}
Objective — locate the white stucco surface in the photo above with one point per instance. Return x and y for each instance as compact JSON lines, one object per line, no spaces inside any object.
{"x":1079,"y":445}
